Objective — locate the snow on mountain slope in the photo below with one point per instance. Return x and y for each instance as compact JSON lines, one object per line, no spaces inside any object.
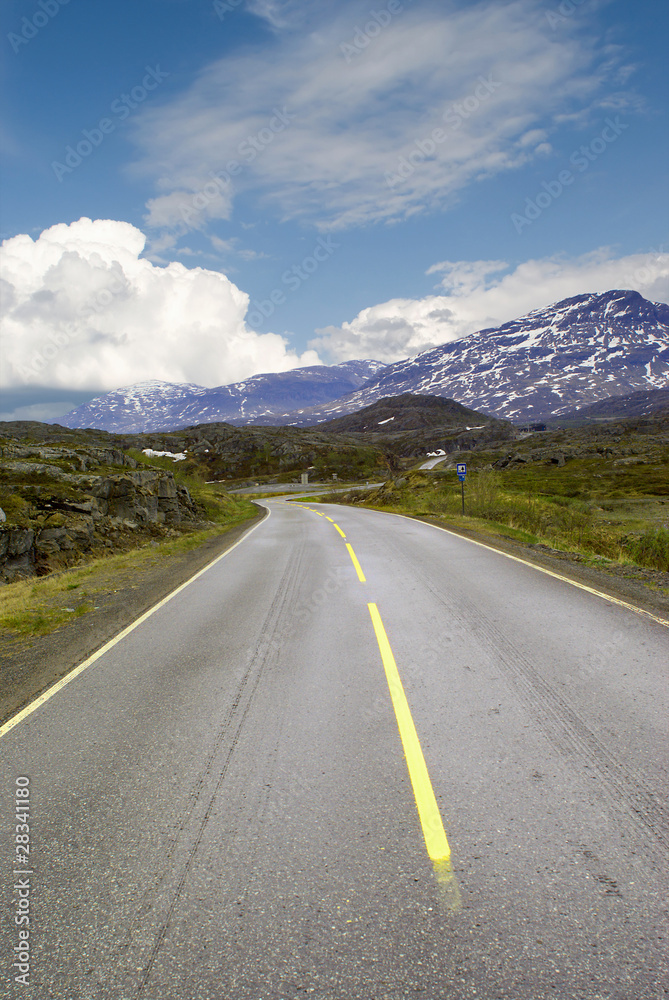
{"x":571,"y":354}
{"x":153,"y":405}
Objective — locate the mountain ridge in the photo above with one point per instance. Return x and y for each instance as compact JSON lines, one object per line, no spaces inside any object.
{"x":553,"y":360}
{"x":153,"y":405}
{"x":547,"y":363}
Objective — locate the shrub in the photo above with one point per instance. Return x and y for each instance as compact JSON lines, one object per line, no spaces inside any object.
{"x":651,"y":549}
{"x":483,"y":493}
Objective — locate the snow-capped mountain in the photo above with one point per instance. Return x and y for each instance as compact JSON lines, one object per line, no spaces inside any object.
{"x":547,"y":363}
{"x":571,"y":354}
{"x":151,"y":406}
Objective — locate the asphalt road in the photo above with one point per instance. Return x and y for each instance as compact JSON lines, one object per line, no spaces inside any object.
{"x":221,"y":807}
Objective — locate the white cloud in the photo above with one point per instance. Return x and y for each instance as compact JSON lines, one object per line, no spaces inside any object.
{"x":473,"y":299}
{"x":280,"y":14}
{"x":491,"y":76}
{"x":189,"y":209}
{"x":84,"y":311}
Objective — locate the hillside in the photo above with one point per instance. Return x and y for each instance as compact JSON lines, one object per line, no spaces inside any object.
{"x":543,"y":365}
{"x":597,"y":493}
{"x":408,"y":412}
{"x":155,"y":405}
{"x":636,"y":404}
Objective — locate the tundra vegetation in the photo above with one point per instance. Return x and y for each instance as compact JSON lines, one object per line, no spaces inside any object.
{"x":599,"y":492}
{"x":77,"y":501}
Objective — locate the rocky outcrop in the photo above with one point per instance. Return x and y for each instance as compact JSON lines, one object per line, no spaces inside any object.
{"x":143,"y":497}
{"x":17,"y":552}
{"x":81,"y":460}
{"x":64,"y":515}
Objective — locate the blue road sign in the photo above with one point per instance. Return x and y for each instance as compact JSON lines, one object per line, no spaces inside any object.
{"x":461,"y":470}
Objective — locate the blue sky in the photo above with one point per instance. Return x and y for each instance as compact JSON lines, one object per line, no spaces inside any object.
{"x":314,"y":181}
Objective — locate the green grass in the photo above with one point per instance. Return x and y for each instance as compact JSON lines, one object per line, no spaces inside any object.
{"x":41,"y":620}
{"x":557,"y":509}
{"x":39,"y":606}
{"x":651,"y":549}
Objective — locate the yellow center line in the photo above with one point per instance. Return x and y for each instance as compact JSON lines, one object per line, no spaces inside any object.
{"x":339,"y":530}
{"x":354,"y":559}
{"x":433,"y":829}
{"x":331,"y":520}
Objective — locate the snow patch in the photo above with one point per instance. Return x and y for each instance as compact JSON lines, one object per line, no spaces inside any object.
{"x":178,"y":456}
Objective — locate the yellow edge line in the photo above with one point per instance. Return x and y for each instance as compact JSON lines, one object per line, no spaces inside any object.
{"x":358,"y":567}
{"x":540,"y":569}
{"x":64,"y":681}
{"x":430,"y":818}
{"x":339,"y":529}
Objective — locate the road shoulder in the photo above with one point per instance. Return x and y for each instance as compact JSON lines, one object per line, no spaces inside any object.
{"x":29,"y":666}
{"x":644,"y":588}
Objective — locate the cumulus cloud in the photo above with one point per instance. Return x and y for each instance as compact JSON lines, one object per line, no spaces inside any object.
{"x":474,"y":296}
{"x":362,"y":102}
{"x":83,"y":310}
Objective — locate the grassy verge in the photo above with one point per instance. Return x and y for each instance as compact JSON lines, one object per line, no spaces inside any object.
{"x":620,"y":525}
{"x":39,"y":606}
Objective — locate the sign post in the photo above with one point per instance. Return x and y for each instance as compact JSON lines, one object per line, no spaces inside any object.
{"x":461,"y":469}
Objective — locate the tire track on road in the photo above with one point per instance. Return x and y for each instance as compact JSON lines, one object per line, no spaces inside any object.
{"x":564,"y":727}
{"x":226,"y":740}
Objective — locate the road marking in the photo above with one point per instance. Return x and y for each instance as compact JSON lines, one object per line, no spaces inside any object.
{"x":428,"y":810}
{"x":64,"y":681}
{"x":540,"y":569}
{"x":329,"y":519}
{"x":339,"y":530}
{"x":557,"y":576}
{"x":358,"y":568}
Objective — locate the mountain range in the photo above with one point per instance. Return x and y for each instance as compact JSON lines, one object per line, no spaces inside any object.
{"x":158,"y":406}
{"x":571,"y":354}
